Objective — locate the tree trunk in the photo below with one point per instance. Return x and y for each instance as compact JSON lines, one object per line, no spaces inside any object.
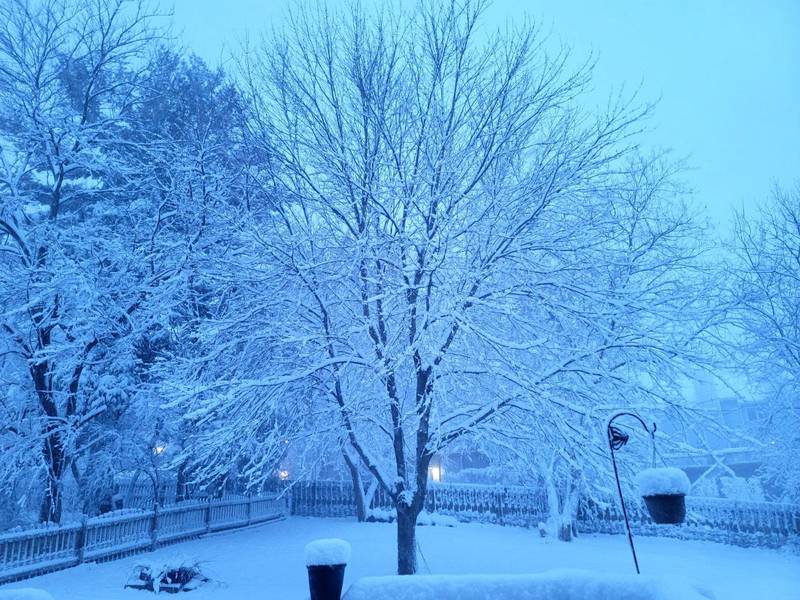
{"x":565,"y":530}
{"x":358,"y":488}
{"x":406,"y":539}
{"x":181,"y":483}
{"x":53,"y":451}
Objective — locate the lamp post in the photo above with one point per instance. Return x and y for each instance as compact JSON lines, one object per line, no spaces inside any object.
{"x":617,"y":438}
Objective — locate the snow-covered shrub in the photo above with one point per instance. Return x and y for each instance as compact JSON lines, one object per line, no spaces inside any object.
{"x":432,"y":518}
{"x":663,"y":480}
{"x":381,"y":515}
{"x":742,"y":488}
{"x":173,"y":576}
{"x":115,"y":514}
{"x":327,"y":551}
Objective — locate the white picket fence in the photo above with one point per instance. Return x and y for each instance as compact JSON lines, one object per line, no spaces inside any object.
{"x":762,"y":524}
{"x":506,"y":505}
{"x":48,"y":548}
{"x":746,"y":524}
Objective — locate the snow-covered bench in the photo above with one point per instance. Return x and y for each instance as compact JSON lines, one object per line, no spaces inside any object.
{"x":551,"y":585}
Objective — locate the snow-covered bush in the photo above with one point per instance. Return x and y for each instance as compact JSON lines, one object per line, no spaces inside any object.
{"x":115,"y":514}
{"x":432,"y":518}
{"x":663,"y":480}
{"x":174,"y":576}
{"x":382,"y":515}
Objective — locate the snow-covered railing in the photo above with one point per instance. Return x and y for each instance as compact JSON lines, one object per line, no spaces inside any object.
{"x":739,"y":523}
{"x":324,"y":499}
{"x":226,"y":514}
{"x":41,"y":549}
{"x":506,"y":505}
{"x":107,"y":535}
{"x":764,"y":524}
{"x":138,"y":492}
{"x":183,"y":520}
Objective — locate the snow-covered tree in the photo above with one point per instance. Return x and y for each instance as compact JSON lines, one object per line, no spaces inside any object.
{"x":448,"y":236}
{"x":765,"y":284}
{"x":649,"y":308}
{"x":78,"y":233}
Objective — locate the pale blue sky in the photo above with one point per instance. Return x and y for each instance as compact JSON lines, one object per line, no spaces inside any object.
{"x":727,"y":73}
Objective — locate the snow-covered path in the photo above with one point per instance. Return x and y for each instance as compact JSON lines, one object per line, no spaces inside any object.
{"x":266,"y":562}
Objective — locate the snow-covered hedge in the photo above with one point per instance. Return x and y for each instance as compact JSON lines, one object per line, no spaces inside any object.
{"x":328,"y":551}
{"x":663,"y":480}
{"x":383,"y":515}
{"x":432,"y":518}
{"x":113,"y":514}
{"x":552,"y":585}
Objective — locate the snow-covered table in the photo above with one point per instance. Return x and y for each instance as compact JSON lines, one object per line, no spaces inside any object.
{"x":551,"y":585}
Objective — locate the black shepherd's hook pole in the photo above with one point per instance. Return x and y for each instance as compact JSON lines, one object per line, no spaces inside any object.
{"x":616,"y":440}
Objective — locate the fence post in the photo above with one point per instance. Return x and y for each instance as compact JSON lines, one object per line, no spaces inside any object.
{"x":249,"y":509}
{"x":154,"y":527}
{"x":80,"y":539}
{"x":207,"y":516}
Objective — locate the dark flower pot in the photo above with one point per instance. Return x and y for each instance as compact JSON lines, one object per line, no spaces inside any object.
{"x":325,"y":581}
{"x":666,"y":509}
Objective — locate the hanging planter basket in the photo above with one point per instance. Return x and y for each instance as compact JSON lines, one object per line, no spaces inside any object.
{"x":664,"y":491}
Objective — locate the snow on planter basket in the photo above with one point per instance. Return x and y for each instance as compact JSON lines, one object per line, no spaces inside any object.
{"x":326,"y":560}
{"x":664,"y":490}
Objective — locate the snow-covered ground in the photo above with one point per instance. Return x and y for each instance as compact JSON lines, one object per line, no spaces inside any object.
{"x":268,"y":561}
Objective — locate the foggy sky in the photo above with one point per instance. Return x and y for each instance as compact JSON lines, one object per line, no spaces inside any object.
{"x":726,"y":74}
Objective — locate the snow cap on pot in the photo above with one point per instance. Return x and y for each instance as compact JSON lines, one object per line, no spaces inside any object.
{"x":664,"y":490}
{"x":327,"y":551}
{"x":326,"y":560}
